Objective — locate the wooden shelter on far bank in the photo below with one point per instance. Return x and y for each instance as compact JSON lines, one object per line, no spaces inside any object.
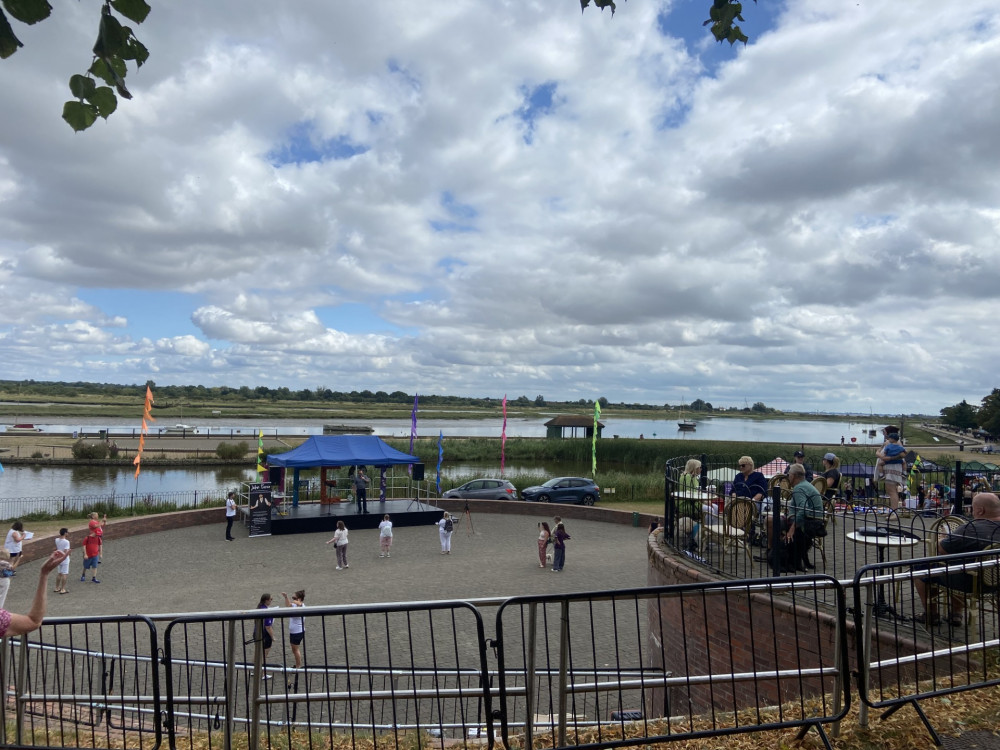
{"x":570,"y":426}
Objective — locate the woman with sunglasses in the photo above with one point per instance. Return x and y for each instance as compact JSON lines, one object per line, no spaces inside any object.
{"x":750,"y":483}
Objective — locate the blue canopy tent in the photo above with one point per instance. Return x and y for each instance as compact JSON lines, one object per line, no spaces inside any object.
{"x":340,"y":450}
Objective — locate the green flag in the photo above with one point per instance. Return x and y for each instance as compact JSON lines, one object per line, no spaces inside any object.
{"x":593,"y":450}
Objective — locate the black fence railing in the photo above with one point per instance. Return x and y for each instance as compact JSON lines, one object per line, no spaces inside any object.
{"x":568,"y":670}
{"x":127,"y":502}
{"x":596,"y":669}
{"x":734,"y":537}
{"x":950,"y":645}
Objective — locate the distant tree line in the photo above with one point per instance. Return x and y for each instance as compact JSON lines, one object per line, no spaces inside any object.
{"x":165,"y":394}
{"x":965,"y":416}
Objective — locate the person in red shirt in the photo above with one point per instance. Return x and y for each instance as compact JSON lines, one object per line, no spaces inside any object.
{"x":92,"y":551}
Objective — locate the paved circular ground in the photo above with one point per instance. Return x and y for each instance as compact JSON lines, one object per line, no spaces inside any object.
{"x":196,"y":570}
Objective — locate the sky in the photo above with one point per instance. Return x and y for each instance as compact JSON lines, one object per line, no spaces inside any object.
{"x":486,"y":198}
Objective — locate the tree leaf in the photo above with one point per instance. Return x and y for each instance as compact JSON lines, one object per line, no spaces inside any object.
{"x":28,"y":11}
{"x":8,"y":42}
{"x":104,"y":100}
{"x":82,"y":86}
{"x":135,"y":10}
{"x":100,"y":69}
{"x":79,"y":115}
{"x":137,"y":51}
{"x":110,"y":36}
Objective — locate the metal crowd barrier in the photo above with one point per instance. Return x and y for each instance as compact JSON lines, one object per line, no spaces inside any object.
{"x":905,"y":658}
{"x":597,"y":668}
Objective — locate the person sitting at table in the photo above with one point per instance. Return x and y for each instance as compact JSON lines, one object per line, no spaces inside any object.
{"x":805,"y":508}
{"x":982,"y":531}
{"x":750,"y":483}
{"x":692,"y":508}
{"x":831,"y":473}
{"x":805,"y":516}
{"x":800,"y":458}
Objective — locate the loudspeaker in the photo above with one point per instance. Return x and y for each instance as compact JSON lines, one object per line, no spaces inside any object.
{"x":418,"y":472}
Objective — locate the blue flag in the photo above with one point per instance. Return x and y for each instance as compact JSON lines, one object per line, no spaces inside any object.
{"x":440,"y":456}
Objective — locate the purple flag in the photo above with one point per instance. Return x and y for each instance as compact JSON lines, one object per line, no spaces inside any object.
{"x":413,"y":429}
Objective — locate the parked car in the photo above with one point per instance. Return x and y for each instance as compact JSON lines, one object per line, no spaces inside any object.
{"x":484,"y":489}
{"x":564,"y":490}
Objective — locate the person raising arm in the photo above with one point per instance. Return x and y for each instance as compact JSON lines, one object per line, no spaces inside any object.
{"x":12,"y":623}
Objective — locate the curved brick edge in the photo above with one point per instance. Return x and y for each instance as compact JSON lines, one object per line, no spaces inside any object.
{"x":749,"y":644}
{"x":118,"y":528}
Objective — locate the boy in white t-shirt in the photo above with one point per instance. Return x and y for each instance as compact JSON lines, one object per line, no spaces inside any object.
{"x":62,"y":545}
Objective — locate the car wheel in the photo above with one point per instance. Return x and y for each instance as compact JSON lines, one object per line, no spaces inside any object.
{"x":588,"y":500}
{"x":543,"y":499}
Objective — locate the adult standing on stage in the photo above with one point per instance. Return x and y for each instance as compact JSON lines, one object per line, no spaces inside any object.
{"x":446,"y":526}
{"x":230,"y":514}
{"x":361,"y":482}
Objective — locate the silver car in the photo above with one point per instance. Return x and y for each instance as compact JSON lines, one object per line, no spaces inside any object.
{"x":484,"y":489}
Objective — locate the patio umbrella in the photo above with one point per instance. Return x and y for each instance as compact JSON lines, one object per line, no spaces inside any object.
{"x":725,"y":474}
{"x":771,"y":468}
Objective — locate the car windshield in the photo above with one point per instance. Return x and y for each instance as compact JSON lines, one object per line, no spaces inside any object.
{"x":552,"y":482}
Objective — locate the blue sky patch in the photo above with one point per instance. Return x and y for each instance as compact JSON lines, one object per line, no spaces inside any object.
{"x":150,"y":314}
{"x":303,"y":145}
{"x":538,"y":102}
{"x":684,"y":21}
{"x":357,"y":319}
{"x":461,"y":215}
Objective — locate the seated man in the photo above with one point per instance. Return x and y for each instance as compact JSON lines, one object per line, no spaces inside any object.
{"x":979,"y":533}
{"x":805,"y":510}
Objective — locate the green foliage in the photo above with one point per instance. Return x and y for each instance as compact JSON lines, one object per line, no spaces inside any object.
{"x":82,"y":450}
{"x":989,"y":413}
{"x":961,"y":415}
{"x":115,"y":45}
{"x":722,"y":17}
{"x":28,"y":11}
{"x":37,"y":454}
{"x":232,"y":451}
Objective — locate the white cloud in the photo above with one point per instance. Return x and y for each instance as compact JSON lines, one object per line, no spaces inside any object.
{"x":816,"y":228}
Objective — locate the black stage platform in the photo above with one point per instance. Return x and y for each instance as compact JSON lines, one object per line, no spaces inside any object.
{"x":311,"y":517}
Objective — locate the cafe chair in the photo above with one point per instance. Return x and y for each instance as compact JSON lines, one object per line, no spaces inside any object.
{"x":939,"y":530}
{"x":820,"y":484}
{"x":733,"y":530}
{"x":778,"y":480}
{"x":829,"y":517}
{"x":985,"y":595}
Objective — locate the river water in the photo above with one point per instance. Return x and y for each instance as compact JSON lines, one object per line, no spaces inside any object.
{"x":741,"y":429}
{"x":29,"y":481}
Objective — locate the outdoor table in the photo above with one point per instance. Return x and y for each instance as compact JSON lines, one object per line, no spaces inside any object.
{"x":883,"y":539}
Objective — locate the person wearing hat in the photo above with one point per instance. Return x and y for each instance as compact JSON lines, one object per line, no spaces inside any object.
{"x":800,"y":458}
{"x":831,"y":473}
{"x":893,"y":461}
